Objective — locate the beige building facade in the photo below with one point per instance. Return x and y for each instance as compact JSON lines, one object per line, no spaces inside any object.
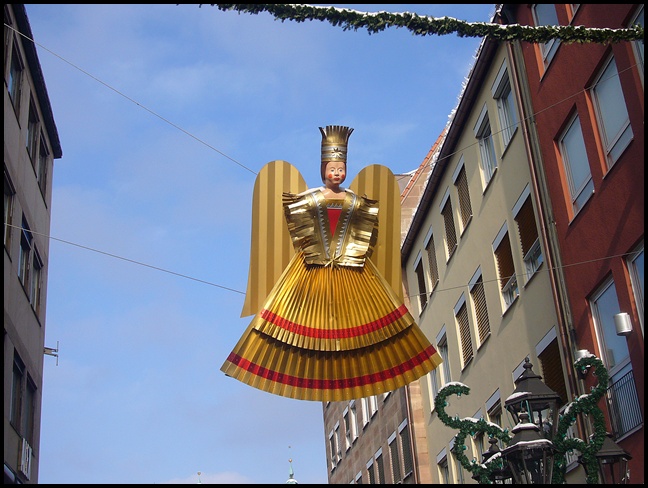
{"x":475,"y":269}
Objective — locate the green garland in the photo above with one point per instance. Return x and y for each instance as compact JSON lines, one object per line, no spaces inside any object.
{"x":586,"y":405}
{"x":427,"y":26}
{"x":481,"y":472}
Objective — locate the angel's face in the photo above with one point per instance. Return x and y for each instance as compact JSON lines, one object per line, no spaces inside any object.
{"x":335,"y":173}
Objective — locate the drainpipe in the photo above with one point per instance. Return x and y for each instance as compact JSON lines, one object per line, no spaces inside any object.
{"x":548,"y":225}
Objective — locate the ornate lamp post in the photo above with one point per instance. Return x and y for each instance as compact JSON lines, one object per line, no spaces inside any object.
{"x":537,"y":399}
{"x":613,"y":463}
{"x":537,"y":452}
{"x":530,"y":455}
{"x":498,"y":471}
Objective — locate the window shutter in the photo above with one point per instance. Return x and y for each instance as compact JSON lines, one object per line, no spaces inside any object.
{"x":451,"y":233}
{"x":432,"y":262}
{"x":526,"y":226}
{"x":552,"y":371}
{"x":505,"y":266}
{"x":464,"y":333}
{"x":464,"y":197}
{"x":481,"y":311}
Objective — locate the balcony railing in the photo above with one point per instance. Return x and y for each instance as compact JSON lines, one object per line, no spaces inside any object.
{"x":625,"y":411}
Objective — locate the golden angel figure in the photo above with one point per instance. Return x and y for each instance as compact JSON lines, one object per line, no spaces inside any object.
{"x":325,"y":285}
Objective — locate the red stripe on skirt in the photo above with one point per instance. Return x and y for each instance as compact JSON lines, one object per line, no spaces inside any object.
{"x":360,"y":330}
{"x":340,"y":384}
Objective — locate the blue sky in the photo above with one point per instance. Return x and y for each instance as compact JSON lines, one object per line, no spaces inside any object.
{"x":165,"y":115}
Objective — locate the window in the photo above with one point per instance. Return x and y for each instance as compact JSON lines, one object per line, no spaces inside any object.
{"x":334,"y":446}
{"x":611,"y":112}
{"x":350,"y":424}
{"x":33,"y":131}
{"x":358,"y":478}
{"x":35,"y":281}
{"x":380,"y":466}
{"x":622,"y":393}
{"x":478,"y":446}
{"x":458,"y":468}
{"x":432,"y":261}
{"x":505,"y":267}
{"x":545,"y":14}
{"x":494,"y":410}
{"x":369,"y":408}
{"x":420,"y":279}
{"x":605,"y":305}
{"x":29,"y":407}
{"x":442,"y":343}
{"x":528,"y":233}
{"x":17,"y":389}
{"x":23,"y":400}
{"x":551,"y":367}
{"x":337,"y":443}
{"x":488,"y":161}
{"x":433,"y":385}
{"x":30,"y":266}
{"x":371,"y":473}
{"x":636,"y":270}
{"x":442,"y":464}
{"x":24,"y":260}
{"x":448,"y":220}
{"x":15,"y":77}
{"x":505,"y":105}
{"x":9,"y":195}
{"x":461,"y":182}
{"x":572,"y":149}
{"x":406,"y":446}
{"x":638,"y":46}
{"x":461,"y":314}
{"x":395,"y":459}
{"x":478,"y":297}
{"x":42,"y":165}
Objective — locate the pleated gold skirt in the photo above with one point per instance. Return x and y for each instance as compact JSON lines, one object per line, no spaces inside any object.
{"x":331,"y":333}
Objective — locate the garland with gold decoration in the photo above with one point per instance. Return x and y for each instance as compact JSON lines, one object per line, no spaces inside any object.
{"x":422,"y":25}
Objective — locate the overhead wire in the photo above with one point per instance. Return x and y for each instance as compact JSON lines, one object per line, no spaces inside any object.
{"x":254,"y":172}
{"x":133,"y":100}
{"x":133,"y":261}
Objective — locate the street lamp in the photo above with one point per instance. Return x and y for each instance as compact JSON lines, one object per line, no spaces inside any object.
{"x":530,"y":455}
{"x":535,"y":398}
{"x":498,"y":475}
{"x":613,"y":463}
{"x":536,"y":454}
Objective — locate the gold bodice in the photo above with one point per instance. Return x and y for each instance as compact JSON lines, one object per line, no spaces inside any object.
{"x":308,"y":223}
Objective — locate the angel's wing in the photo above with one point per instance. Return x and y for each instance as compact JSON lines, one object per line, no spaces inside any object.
{"x":378,"y":182}
{"x":271,"y":248}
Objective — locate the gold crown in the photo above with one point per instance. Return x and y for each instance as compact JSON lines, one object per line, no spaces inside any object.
{"x":334,"y":142}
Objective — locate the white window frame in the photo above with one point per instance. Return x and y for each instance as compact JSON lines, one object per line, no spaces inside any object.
{"x":534,"y":256}
{"x":506,"y":111}
{"x":488,"y":158}
{"x":611,"y":112}
{"x":635,"y":263}
{"x":510,"y":291}
{"x":546,"y":17}
{"x":574,"y":157}
{"x":442,"y":465}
